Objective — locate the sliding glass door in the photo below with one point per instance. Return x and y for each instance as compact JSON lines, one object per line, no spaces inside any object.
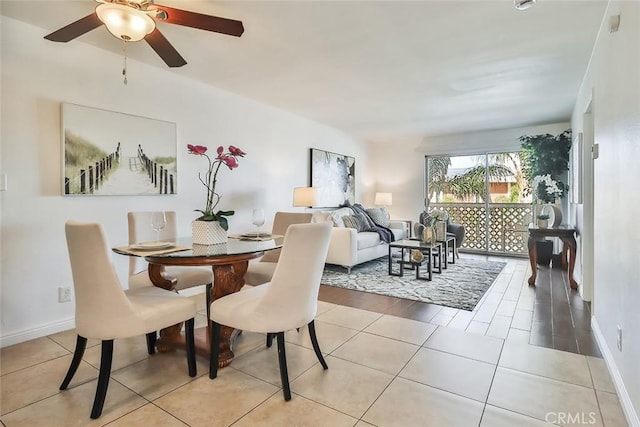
{"x":485,"y":193}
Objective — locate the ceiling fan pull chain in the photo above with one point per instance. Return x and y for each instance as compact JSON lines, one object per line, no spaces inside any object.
{"x":124,"y":67}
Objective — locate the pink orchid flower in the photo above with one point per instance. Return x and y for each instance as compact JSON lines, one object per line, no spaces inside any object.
{"x":231,"y":162}
{"x":210,"y":179}
{"x":196,"y":149}
{"x":235,"y":151}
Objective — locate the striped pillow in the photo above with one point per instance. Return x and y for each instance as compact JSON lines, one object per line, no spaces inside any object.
{"x":357,"y":221}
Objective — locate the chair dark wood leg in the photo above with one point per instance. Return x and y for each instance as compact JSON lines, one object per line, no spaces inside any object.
{"x":282,"y":358}
{"x":81,"y":344}
{"x":208,"y":300}
{"x":191,"y":348}
{"x":215,"y":350}
{"x":151,"y":342}
{"x":103,"y":378}
{"x":269,"y":339}
{"x":316,"y":347}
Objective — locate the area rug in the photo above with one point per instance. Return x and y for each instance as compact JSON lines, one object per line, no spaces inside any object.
{"x":459,"y":286}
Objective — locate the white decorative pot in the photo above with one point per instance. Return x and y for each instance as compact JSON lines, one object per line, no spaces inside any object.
{"x":209,"y":250}
{"x":555,"y":214}
{"x":543,"y":223}
{"x":208,"y":233}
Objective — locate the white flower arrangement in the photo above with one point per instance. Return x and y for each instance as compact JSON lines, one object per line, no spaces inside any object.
{"x":439,"y":215}
{"x":551,"y":186}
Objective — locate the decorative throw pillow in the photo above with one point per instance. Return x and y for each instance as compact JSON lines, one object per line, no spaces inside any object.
{"x":427,"y":219}
{"x":321,"y":216}
{"x":380,"y":216}
{"x":355,"y":221}
{"x":338,"y":214}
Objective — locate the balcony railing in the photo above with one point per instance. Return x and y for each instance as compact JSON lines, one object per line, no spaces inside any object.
{"x":504,"y":233}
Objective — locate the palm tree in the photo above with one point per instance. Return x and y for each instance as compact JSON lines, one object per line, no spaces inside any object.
{"x":514,"y":162}
{"x":437,"y":176}
{"x":473,"y":183}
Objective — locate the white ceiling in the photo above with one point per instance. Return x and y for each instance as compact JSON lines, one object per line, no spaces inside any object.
{"x":380,"y":70}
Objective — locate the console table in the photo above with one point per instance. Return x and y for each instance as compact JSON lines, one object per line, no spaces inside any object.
{"x":566,"y":235}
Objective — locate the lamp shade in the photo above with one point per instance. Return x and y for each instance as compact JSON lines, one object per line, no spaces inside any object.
{"x":124,"y":22}
{"x":304,"y":196}
{"x":383,"y":199}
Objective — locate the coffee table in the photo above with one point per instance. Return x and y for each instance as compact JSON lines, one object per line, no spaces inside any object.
{"x":448,"y":242}
{"x":432,"y":257}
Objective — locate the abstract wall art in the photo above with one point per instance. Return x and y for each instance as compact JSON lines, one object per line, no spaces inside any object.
{"x":333,"y":176}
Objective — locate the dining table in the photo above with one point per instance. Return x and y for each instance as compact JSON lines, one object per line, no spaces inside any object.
{"x":229,"y":262}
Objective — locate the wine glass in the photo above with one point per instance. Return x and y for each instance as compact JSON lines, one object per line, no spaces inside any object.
{"x":158,"y":222}
{"x":257,"y":219}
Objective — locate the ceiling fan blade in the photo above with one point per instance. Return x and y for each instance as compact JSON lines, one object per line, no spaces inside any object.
{"x":164,"y":49}
{"x":75,"y":29}
{"x":202,"y":22}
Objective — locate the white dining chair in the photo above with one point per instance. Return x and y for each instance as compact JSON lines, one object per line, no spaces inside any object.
{"x":187,"y":277}
{"x":104,"y":311}
{"x":289,"y":301}
{"x":261,"y":270}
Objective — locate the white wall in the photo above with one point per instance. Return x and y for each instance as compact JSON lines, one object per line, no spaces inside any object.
{"x":613,"y":77}
{"x":37,"y":75}
{"x":399,"y":168}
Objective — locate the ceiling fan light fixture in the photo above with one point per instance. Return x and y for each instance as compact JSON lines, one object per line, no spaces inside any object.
{"x":124,"y":22}
{"x":523,"y":4}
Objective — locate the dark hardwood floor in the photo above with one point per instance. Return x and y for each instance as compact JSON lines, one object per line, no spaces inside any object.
{"x":550,"y":314}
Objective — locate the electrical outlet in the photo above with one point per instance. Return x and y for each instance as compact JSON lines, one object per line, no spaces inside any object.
{"x":64,"y":294}
{"x":619,"y":338}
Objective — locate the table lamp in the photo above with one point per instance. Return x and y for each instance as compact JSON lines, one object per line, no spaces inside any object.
{"x":383,"y":199}
{"x":304,"y":197}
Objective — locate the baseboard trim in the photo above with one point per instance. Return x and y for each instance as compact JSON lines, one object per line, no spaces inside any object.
{"x":41,"y":331}
{"x":623,"y":395}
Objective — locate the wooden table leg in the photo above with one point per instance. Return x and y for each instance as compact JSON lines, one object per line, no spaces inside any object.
{"x":170,"y":338}
{"x":160,"y":278}
{"x":227,"y":279}
{"x":533,"y":259}
{"x":570,"y":242}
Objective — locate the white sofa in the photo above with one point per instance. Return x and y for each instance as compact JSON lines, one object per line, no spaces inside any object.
{"x":349,"y":247}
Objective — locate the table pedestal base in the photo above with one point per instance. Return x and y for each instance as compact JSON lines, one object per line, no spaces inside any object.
{"x":227,"y":279}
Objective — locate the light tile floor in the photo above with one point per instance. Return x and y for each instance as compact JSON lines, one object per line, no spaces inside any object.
{"x":383,"y":371}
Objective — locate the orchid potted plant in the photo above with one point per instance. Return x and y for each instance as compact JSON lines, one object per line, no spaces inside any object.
{"x":210,"y":179}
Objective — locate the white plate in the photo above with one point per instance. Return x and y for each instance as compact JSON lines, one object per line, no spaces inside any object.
{"x":149,"y":246}
{"x":255,"y":235}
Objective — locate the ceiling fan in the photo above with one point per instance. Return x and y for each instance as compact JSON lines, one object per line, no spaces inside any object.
{"x":134,"y":20}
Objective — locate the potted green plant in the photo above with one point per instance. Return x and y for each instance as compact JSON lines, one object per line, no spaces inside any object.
{"x":543,"y":220}
{"x":545,"y":158}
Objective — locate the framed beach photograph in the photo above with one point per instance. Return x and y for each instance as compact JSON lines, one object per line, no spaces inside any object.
{"x":106,"y":153}
{"x":575,"y":183}
{"x":333,"y":176}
